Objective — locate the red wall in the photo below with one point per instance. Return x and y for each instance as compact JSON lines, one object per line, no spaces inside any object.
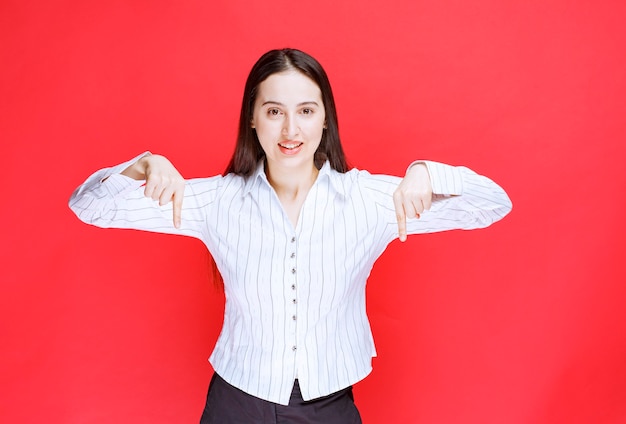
{"x":523,"y":322}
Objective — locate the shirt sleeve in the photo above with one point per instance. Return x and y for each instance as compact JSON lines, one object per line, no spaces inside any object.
{"x":109,"y":199}
{"x":462,"y":199}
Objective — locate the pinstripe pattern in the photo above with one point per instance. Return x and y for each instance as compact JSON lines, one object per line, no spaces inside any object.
{"x":295,"y":297}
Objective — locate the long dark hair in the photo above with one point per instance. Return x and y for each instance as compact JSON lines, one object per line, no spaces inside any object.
{"x":248,"y":150}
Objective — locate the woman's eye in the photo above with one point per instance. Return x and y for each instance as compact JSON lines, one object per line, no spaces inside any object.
{"x":307,"y":111}
{"x":273,"y":112}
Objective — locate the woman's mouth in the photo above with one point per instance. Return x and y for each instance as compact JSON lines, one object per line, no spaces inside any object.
{"x":290,"y":147}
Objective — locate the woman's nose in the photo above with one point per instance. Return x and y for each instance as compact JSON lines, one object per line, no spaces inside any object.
{"x":290,"y":128}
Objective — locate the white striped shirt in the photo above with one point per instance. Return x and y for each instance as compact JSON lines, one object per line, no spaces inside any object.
{"x":295,"y":297}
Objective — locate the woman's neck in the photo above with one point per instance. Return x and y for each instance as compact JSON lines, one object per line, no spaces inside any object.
{"x":291,"y":183}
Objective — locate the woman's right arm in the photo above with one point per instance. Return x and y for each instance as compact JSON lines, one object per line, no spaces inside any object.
{"x":163,"y":182}
{"x":145,"y":193}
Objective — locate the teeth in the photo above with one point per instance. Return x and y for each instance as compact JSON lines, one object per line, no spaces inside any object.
{"x":290,"y":145}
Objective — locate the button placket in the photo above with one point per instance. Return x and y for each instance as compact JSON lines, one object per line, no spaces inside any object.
{"x":293,"y":292}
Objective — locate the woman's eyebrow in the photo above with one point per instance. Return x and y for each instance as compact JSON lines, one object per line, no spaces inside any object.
{"x":272,"y":102}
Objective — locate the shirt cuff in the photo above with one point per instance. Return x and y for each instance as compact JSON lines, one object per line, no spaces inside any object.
{"x":445,"y":179}
{"x":115,"y":183}
{"x":122,"y":166}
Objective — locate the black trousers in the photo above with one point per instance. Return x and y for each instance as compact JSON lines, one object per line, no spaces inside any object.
{"x":228,"y":405}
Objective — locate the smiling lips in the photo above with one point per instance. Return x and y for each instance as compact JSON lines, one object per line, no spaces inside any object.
{"x":290,"y":147}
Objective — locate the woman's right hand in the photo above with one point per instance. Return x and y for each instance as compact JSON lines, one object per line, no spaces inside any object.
{"x":163,"y":182}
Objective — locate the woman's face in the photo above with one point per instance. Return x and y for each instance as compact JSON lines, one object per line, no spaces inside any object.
{"x":289,"y":119}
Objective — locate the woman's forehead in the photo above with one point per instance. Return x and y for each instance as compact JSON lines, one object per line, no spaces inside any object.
{"x":288,"y":87}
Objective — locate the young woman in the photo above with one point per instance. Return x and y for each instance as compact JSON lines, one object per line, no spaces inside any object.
{"x":294,"y":234}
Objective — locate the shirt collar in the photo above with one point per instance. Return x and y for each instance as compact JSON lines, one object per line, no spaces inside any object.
{"x":326,"y":172}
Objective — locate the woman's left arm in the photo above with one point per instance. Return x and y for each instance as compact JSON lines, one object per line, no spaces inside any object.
{"x":457,"y":195}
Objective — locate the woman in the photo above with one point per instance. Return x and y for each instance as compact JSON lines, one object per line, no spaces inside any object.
{"x":294,"y":234}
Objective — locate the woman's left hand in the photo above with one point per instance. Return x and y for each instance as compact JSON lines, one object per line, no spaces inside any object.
{"x":413,"y":196}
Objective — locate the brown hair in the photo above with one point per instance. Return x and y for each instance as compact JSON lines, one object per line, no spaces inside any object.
{"x":248,"y":150}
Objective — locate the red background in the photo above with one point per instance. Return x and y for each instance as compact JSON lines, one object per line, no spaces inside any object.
{"x":523,"y":322}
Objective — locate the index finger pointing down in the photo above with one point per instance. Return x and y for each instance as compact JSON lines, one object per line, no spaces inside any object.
{"x":177,"y":203}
